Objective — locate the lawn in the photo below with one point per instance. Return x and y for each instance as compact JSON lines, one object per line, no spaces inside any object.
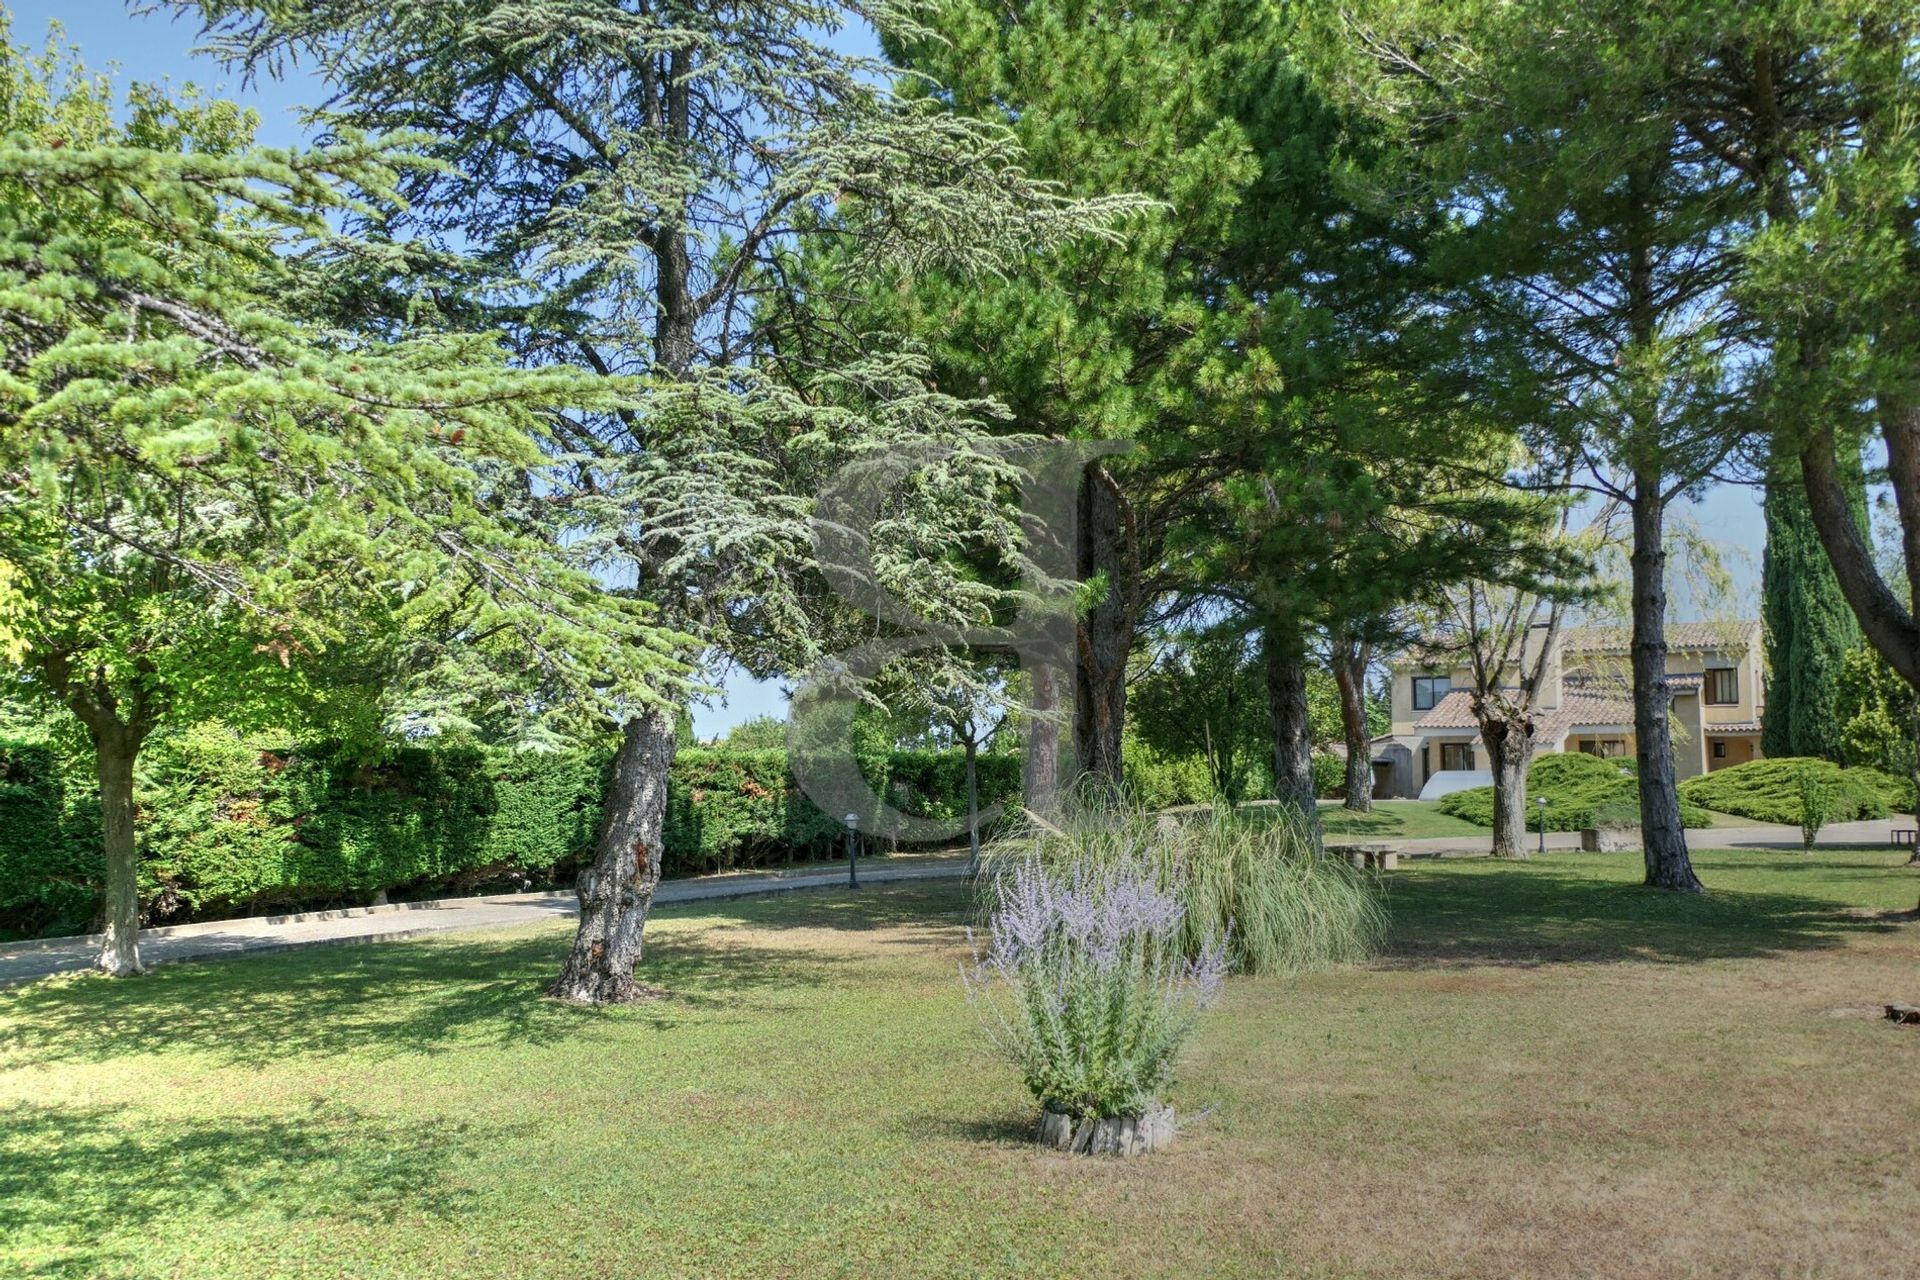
{"x":1552,"y":1073}
{"x":1422,"y":820}
{"x":1396,"y":820}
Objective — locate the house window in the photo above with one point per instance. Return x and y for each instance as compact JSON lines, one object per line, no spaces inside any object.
{"x":1428,"y":690}
{"x":1722,"y":687}
{"x":1719,"y":751}
{"x":1456,"y":755}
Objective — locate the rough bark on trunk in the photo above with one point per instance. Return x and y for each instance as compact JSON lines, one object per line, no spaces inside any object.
{"x":1663,"y":837}
{"x":1509,"y":746}
{"x":1913,"y":774}
{"x":115,"y":748}
{"x":616,"y":891}
{"x":1350,"y":674}
{"x":1040,"y":773}
{"x":1883,"y":617}
{"x":1284,"y":654}
{"x":1105,"y":633}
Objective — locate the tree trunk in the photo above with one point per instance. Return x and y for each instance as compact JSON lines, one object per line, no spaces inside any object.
{"x":973,"y":805}
{"x":1884,"y":618}
{"x":1663,"y":838}
{"x":1914,"y":775}
{"x":616,"y":892}
{"x":1509,"y":746}
{"x":115,"y":747}
{"x":1105,"y":636}
{"x":1040,"y":773}
{"x":1350,"y":674}
{"x":1285,"y":654}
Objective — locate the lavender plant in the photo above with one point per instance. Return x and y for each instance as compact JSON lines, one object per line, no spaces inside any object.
{"x":1085,"y":982}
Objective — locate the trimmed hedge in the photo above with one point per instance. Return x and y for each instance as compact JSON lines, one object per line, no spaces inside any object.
{"x":1578,"y":788}
{"x":1769,"y":790}
{"x":50,"y":854}
{"x":226,"y":827}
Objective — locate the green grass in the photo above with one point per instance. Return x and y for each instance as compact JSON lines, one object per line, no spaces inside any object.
{"x":1551,"y":1072}
{"x":1395,"y":820}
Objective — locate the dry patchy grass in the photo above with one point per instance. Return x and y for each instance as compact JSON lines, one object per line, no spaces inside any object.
{"x":1552,"y":1073}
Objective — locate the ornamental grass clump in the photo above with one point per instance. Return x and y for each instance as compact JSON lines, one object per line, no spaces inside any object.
{"x":1086,"y":985}
{"x":1259,"y":879}
{"x":1263,"y":879}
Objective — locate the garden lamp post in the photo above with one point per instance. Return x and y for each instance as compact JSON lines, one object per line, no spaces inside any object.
{"x":853,"y":827}
{"x":1542,"y":802}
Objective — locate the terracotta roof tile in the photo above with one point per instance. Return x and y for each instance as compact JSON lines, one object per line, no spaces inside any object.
{"x":1455,"y":711}
{"x":1680,"y":635}
{"x":1577,"y":710}
{"x":1582,"y":711}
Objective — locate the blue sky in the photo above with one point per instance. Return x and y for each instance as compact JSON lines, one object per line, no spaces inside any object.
{"x":157,"y":48}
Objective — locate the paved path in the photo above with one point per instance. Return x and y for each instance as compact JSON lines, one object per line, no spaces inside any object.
{"x":25,"y":961}
{"x":1877,"y":832}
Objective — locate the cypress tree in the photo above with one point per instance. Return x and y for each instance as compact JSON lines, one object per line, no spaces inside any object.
{"x":1809,"y":626}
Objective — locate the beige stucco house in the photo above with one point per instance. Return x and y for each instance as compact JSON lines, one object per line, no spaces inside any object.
{"x":1719,"y":695}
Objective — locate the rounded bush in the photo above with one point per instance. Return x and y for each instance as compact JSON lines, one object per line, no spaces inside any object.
{"x":1770,"y":790}
{"x":1581,"y":791}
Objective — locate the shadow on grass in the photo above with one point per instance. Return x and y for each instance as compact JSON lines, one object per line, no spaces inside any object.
{"x":451,"y":992}
{"x":83,"y":1187}
{"x":1559,"y":911}
{"x":872,"y":908}
{"x":1010,"y":1128}
{"x":429,"y":996}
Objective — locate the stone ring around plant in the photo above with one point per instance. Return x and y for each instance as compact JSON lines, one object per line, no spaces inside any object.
{"x":1106,"y":1135}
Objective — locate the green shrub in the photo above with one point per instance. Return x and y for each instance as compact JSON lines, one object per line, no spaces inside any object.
{"x":1156,"y":780}
{"x":734,"y":808}
{"x":49,"y":843}
{"x":1581,"y":791}
{"x":1769,"y":790}
{"x":228,"y":825}
{"x":1282,"y":905}
{"x":1329,"y":773}
{"x":1895,"y":791}
{"x":1816,"y":804}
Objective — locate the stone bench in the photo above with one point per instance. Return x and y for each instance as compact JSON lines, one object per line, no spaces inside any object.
{"x":1363,"y":857}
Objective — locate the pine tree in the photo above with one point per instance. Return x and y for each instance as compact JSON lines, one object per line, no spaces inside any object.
{"x":1597,"y":235}
{"x":1817,"y":106}
{"x":1238,"y":338}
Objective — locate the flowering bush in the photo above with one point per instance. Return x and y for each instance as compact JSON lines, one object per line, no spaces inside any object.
{"x":1086,"y":985}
